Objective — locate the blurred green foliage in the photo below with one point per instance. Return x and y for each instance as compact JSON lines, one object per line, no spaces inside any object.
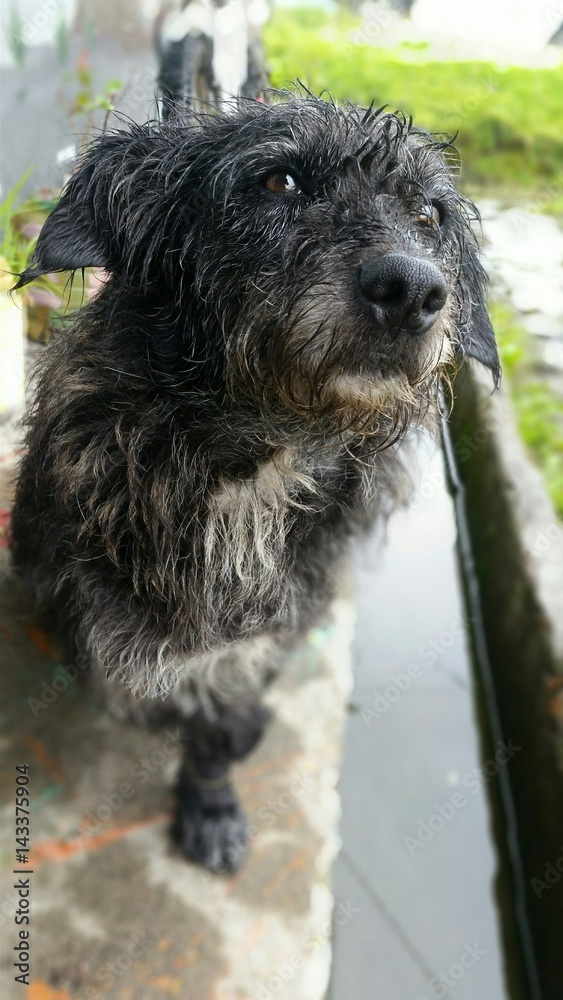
{"x":85,"y":100}
{"x":508,"y":120}
{"x":14,"y":35}
{"x":539,"y":410}
{"x":14,"y":251}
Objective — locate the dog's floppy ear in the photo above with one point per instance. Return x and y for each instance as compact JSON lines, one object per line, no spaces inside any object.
{"x":477,"y":340}
{"x":476,"y":334}
{"x":74,"y":236}
{"x":87,"y":226}
{"x":68,"y":240}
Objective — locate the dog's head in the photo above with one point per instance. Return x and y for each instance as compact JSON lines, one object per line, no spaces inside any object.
{"x":305,"y":257}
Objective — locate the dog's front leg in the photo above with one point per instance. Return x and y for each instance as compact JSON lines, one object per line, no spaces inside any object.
{"x":210,"y":825}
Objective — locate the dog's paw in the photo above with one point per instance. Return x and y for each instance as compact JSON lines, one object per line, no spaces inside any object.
{"x":211,"y":828}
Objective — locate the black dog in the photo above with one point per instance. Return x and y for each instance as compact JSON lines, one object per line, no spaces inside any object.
{"x":286,"y":285}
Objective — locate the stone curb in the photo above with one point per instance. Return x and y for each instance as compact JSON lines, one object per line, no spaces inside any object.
{"x":517,"y":543}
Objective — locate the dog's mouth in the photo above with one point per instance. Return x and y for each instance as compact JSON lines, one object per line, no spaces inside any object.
{"x":377,"y":390}
{"x":370,"y":400}
{"x":372,"y":365}
{"x":372,"y":395}
{"x":339,"y":373}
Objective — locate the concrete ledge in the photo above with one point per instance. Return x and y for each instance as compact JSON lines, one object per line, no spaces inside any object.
{"x":518,"y":549}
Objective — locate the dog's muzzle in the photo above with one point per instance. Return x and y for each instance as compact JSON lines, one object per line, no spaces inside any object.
{"x":404,"y":293}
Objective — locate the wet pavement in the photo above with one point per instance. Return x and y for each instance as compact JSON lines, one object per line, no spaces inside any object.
{"x":419,"y":860}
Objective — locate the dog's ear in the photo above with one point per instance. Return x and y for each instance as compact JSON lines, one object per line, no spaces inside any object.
{"x":477,"y":340}
{"x":69,"y":239}
{"x":90,"y":225}
{"x":476,"y":334}
{"x":73,"y":236}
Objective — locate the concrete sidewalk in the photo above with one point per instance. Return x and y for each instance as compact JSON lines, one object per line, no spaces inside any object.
{"x":116,"y":911}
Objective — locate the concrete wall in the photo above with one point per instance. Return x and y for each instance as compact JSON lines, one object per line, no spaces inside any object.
{"x":518,"y":549}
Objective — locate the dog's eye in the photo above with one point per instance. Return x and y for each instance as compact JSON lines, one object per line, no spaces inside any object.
{"x":432,"y":215}
{"x":282,"y":183}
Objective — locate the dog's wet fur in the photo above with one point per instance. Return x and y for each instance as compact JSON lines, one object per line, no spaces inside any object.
{"x":228,"y":411}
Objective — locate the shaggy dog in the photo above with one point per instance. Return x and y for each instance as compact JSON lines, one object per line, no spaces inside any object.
{"x":286,"y":284}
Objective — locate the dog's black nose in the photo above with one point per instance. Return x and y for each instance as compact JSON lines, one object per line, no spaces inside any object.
{"x":406,"y":292}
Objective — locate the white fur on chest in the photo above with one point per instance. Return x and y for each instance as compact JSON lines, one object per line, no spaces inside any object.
{"x":246,"y":530}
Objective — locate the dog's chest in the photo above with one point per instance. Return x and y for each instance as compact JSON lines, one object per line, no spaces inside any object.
{"x":261,"y":531}
{"x":258,"y":513}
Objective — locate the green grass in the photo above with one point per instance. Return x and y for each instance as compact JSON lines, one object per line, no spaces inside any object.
{"x":539,"y":411}
{"x":508,"y":120}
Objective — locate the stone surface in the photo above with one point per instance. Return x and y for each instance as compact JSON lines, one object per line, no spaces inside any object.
{"x":524,"y":259}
